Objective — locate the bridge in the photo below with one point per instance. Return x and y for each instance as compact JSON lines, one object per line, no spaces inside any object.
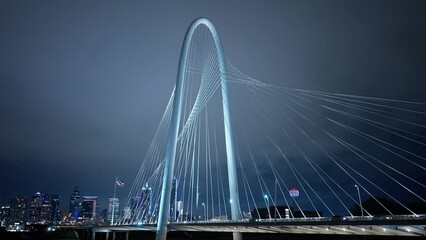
{"x":361,"y":226}
{"x":230,"y":150}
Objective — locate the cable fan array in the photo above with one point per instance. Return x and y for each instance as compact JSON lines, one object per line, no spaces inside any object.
{"x":325,"y":146}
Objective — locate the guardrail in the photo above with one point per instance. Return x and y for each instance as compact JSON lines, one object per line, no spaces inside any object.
{"x":315,"y":219}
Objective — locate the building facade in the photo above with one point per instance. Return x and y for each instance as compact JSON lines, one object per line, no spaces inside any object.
{"x":141,"y":206}
{"x":113,"y":209}
{"x":4,"y":216}
{"x":75,"y":205}
{"x":35,"y":208}
{"x":173,"y":196}
{"x":18,"y":209}
{"x":146,"y":203}
{"x":45,"y":209}
{"x":54,"y":209}
{"x":88,"y":208}
{"x":180,"y":211}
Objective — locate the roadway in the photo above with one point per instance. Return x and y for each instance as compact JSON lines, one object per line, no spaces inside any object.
{"x":383,"y":226}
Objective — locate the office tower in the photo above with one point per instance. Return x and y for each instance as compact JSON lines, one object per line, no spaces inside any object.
{"x":146,"y":203}
{"x":102,"y":215}
{"x":135,"y":206}
{"x":63,"y":215}
{"x":180,"y":211}
{"x":35,"y":208}
{"x":127,"y":214}
{"x":141,"y":206}
{"x":173,"y":210}
{"x":4,"y":216}
{"x":45,"y":209}
{"x":18,"y":208}
{"x":88,"y":208}
{"x":75,"y":204}
{"x":113,"y":208}
{"x":54,"y":209}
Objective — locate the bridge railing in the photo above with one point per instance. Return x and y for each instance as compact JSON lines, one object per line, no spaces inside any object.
{"x":313,"y":219}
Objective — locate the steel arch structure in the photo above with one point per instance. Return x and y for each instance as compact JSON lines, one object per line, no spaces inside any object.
{"x":172,"y":136}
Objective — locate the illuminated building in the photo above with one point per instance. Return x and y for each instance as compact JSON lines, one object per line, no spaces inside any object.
{"x":88,"y":208}
{"x":4,"y":216}
{"x":45,"y":214}
{"x":18,"y":208}
{"x":173,"y":210}
{"x":113,"y":206}
{"x":35,"y":208}
{"x":54,"y":209}
{"x":75,"y":205}
{"x":141,"y":206}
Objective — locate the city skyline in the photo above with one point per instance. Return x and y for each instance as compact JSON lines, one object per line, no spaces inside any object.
{"x":44,"y":209}
{"x":64,"y":204}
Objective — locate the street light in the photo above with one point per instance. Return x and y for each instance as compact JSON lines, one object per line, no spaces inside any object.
{"x":204,"y":206}
{"x":267,"y":205}
{"x":359,"y":197}
{"x":275,"y":200}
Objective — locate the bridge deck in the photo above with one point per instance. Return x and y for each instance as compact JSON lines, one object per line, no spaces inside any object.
{"x":358,"y":227}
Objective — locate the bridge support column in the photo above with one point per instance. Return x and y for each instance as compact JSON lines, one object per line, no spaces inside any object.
{"x":237,"y":236}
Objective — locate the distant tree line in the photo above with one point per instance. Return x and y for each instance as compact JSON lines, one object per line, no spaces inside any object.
{"x":374,"y":208}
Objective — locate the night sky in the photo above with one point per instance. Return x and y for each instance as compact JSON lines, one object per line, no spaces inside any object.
{"x":83,"y":84}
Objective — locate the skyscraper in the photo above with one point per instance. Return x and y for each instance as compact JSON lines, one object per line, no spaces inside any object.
{"x":127,"y":214}
{"x":180,"y":211}
{"x":18,"y":208}
{"x":88,"y":208}
{"x":113,"y":208}
{"x":4,"y":216}
{"x":75,"y":205}
{"x":45,"y":209}
{"x":54,"y":209}
{"x":146,"y":203}
{"x":135,"y":206}
{"x":40,"y":209}
{"x":35,"y":208}
{"x":173,"y":210}
{"x":141,"y":206}
{"x":102,"y":215}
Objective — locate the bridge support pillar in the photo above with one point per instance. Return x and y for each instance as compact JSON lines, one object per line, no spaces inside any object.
{"x":237,"y":236}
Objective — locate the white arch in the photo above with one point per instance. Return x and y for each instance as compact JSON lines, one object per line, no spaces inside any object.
{"x":174,"y":128}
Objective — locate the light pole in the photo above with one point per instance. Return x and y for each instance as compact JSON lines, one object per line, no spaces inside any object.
{"x":113,"y":201}
{"x":275,"y":200}
{"x":359,"y":198}
{"x":267,"y":205}
{"x":204,"y":206}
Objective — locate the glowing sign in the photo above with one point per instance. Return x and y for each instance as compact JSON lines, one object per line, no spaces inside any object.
{"x":294,"y":192}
